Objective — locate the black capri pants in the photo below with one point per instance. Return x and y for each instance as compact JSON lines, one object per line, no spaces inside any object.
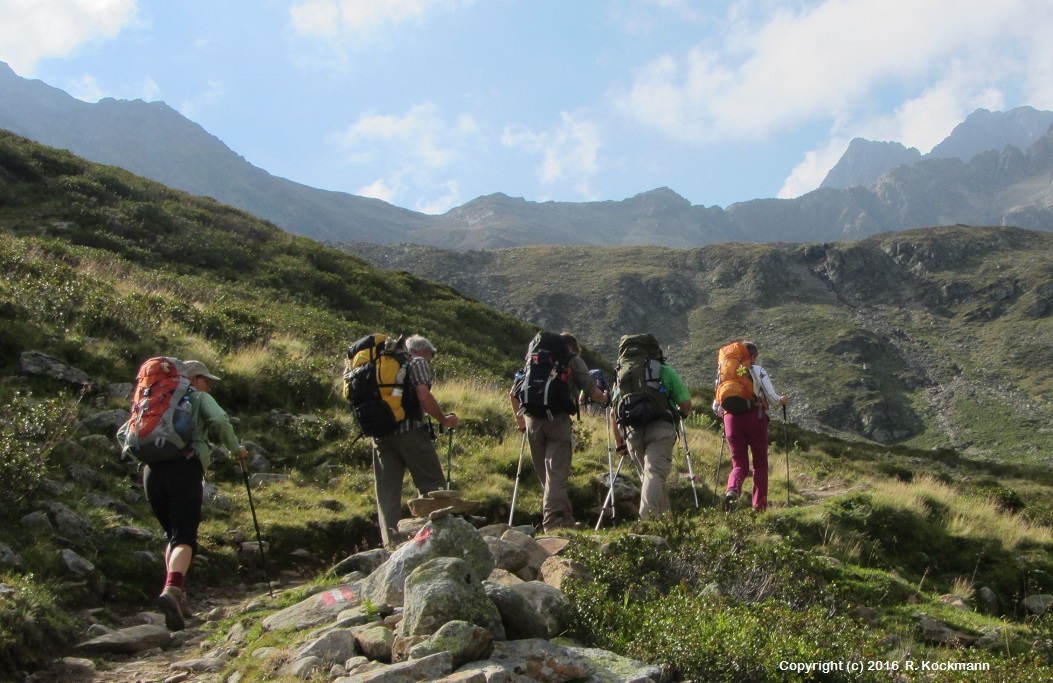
{"x":174,"y":491}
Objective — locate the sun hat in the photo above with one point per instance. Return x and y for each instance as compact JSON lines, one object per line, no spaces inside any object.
{"x":195,"y":368}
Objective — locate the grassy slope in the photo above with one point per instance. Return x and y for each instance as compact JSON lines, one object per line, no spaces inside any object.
{"x":87,"y":278}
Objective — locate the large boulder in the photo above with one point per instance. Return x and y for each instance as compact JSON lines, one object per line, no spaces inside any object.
{"x":430,"y":668}
{"x":317,"y":609}
{"x":520,"y":619}
{"x":549,"y":602}
{"x":332,"y":647}
{"x":446,"y":589}
{"x":466,"y":642}
{"x":444,"y":537}
{"x":37,"y":363}
{"x":128,"y":641}
{"x":537,"y":660}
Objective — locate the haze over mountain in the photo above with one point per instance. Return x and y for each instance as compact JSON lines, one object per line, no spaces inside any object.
{"x":866,"y":161}
{"x":999,"y":186}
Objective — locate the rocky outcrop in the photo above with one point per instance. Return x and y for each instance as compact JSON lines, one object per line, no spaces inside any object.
{"x":448,"y":619}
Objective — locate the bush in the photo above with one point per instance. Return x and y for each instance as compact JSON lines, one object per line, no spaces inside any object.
{"x":29,"y":430}
{"x":33,"y":627}
{"x":715,"y":604}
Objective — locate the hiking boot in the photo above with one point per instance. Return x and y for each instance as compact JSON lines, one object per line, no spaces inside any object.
{"x":730,"y":498}
{"x":184,"y":606}
{"x":168,"y":601}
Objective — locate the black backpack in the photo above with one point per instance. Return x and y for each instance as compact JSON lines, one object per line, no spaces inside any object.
{"x":641,"y":397}
{"x":544,"y":387}
{"x":376,"y":382}
{"x":600,"y":378}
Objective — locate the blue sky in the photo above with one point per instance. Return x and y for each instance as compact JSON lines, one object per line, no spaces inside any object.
{"x":428,"y":104}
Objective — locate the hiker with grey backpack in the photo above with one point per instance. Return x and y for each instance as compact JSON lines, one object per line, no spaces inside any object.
{"x":743,"y":394}
{"x":650,"y":400}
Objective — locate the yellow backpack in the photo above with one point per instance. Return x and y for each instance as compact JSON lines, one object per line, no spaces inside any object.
{"x":376,"y":383}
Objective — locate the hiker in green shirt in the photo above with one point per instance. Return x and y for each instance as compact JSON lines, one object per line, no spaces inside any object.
{"x":651,"y":445}
{"x":174,"y":490}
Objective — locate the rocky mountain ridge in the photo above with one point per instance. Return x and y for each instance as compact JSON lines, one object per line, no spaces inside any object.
{"x":866,"y":161}
{"x":882,"y":338}
{"x":1003,"y":186}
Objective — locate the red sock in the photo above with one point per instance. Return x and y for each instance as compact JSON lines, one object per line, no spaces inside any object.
{"x":175,"y":579}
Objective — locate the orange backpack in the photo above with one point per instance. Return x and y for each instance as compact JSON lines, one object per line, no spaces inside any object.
{"x":161,"y":426}
{"x":735,"y":392}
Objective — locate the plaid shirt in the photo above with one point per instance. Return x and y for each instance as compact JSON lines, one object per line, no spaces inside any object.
{"x":419,"y":373}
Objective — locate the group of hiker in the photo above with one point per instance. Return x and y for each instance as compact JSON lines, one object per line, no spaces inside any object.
{"x":388,"y":382}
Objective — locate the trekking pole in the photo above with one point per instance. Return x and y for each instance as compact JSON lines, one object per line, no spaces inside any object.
{"x":690,"y":470}
{"x":515,"y":489}
{"x":610,"y":494}
{"x":256,"y":523}
{"x":610,"y":457}
{"x":449,"y":466}
{"x":716,"y":477}
{"x":786,"y":447}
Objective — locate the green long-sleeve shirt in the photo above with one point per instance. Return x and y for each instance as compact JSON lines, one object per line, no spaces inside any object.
{"x":207,"y":415}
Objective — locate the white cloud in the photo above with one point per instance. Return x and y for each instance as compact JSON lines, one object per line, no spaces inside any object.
{"x":32,"y":30}
{"x":569,"y":151}
{"x":807,"y":175}
{"x":336,"y":20}
{"x":420,"y":136}
{"x":414,"y":148}
{"x":444,"y":203}
{"x":193,"y":106}
{"x":921,"y":122}
{"x":829,"y":59}
{"x":87,"y":89}
{"x":383,"y":188}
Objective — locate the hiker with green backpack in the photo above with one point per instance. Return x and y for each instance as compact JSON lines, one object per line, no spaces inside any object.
{"x":650,"y":399}
{"x":743,"y":393}
{"x":543,"y":399}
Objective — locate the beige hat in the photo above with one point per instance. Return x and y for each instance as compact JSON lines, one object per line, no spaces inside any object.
{"x":195,"y":368}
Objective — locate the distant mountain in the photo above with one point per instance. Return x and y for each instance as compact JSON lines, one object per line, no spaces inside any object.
{"x":896,"y":337}
{"x":1000,"y":186}
{"x":866,"y":161}
{"x":985,"y":130}
{"x":157,"y":142}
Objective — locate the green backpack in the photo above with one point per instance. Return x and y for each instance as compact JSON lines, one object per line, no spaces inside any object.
{"x":641,"y":397}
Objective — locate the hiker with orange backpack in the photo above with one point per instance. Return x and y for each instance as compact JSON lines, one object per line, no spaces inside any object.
{"x":743,"y":393}
{"x":173,"y":486}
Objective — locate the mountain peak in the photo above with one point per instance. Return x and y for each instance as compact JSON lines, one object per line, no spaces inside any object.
{"x":865,"y":161}
{"x":985,"y":130}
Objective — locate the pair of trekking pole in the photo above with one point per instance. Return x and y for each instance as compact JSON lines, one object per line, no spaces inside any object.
{"x":612,"y":474}
{"x":449,"y":460}
{"x":608,"y":502}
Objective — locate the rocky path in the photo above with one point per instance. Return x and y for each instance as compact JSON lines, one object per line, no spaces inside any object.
{"x":187,"y":656}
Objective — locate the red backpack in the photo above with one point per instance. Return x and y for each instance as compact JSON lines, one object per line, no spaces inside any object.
{"x":735,"y":393}
{"x":161,"y":426}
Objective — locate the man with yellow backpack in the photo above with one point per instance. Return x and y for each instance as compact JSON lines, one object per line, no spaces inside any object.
{"x":388,"y":382}
{"x":744,"y":392}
